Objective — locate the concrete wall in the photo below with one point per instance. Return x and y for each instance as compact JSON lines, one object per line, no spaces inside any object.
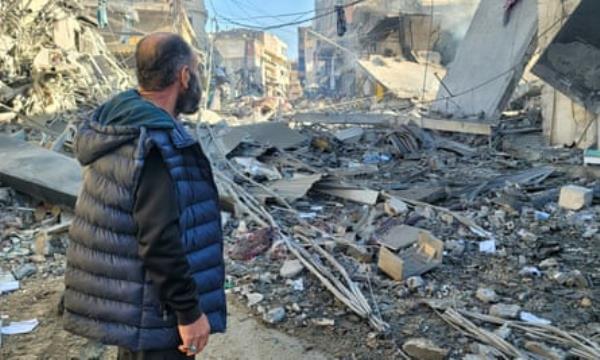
{"x":565,"y":121}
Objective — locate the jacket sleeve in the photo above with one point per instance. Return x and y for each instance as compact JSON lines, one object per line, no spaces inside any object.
{"x":157,"y":217}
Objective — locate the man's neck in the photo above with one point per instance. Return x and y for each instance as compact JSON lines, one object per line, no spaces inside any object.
{"x":165,"y":99}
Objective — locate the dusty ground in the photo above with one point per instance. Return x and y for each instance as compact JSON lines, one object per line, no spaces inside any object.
{"x":246,"y":339}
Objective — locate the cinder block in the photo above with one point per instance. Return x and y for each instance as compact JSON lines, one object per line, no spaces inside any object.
{"x":573,"y":197}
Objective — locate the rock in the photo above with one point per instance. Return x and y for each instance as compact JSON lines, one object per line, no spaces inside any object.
{"x":275,"y":315}
{"x":530,"y":271}
{"x":527,"y":236}
{"x":505,"y":311}
{"x":424,"y":349}
{"x":586,"y":302}
{"x":487,"y":295}
{"x":323,"y":322}
{"x":291,"y":268}
{"x":415,"y":282}
{"x":550,"y":263}
{"x":572,"y":279}
{"x":254,"y":298}
{"x":24,"y":271}
{"x":395,"y":206}
{"x":573,"y":197}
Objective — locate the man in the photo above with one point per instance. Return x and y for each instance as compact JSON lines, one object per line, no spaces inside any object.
{"x":145,"y":266}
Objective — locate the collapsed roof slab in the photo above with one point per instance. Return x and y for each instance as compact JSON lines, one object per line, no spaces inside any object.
{"x":489,"y":61}
{"x":571,"y":63}
{"x":39,"y":172}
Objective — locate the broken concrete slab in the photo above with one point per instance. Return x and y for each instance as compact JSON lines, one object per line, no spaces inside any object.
{"x":404,"y":78}
{"x":567,"y":64}
{"x":489,"y":62}
{"x":41,"y":173}
{"x":573,"y":197}
{"x":296,"y":187}
{"x":400,"y":237}
{"x":505,"y":311}
{"x":348,"y":192}
{"x":451,"y":125}
{"x":424,"y":349}
{"x":349,"y":135}
{"x":291,"y":269}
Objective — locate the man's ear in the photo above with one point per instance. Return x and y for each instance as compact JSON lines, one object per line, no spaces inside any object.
{"x":184,"y":77}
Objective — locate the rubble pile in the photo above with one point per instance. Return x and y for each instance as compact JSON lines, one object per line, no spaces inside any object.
{"x":53,"y":64}
{"x":33,"y":239}
{"x":401,"y":217}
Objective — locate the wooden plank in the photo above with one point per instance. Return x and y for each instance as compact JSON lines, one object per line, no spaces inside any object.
{"x":390,"y":263}
{"x":38,"y":172}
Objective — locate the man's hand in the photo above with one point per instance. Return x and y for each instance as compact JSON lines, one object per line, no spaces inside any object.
{"x":194,"y":336}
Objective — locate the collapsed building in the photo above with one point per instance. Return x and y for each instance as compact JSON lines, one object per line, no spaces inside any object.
{"x":255,"y":61}
{"x":380,"y":33}
{"x":54,"y":66}
{"x":373,"y":220}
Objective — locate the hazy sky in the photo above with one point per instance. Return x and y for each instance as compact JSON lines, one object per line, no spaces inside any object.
{"x":262,"y":13}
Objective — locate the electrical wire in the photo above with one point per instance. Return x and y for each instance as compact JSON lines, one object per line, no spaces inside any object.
{"x":292,"y":23}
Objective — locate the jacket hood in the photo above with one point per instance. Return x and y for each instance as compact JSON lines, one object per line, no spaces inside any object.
{"x":117,"y":122}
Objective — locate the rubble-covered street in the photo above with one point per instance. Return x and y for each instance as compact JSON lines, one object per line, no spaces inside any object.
{"x":371,"y":214}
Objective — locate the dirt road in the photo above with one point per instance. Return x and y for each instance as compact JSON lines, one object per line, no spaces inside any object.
{"x":246,"y":339}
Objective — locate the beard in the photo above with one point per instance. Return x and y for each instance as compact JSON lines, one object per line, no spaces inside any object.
{"x":189,"y":101}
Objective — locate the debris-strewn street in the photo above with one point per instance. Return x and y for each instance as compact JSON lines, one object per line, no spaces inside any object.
{"x":368,"y":213}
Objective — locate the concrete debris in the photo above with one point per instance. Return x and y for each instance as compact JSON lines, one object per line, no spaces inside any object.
{"x":291,"y":269}
{"x":32,"y":170}
{"x":24,"y":271}
{"x":404,"y":78}
{"x":19,"y":327}
{"x":505,"y":51}
{"x":487,"y":295}
{"x":275,"y":315}
{"x":424,"y":349}
{"x":8,"y":282}
{"x":254,"y":298}
{"x":350,"y":135}
{"x":573,"y":197}
{"x":505,"y":311}
{"x":54,"y":64}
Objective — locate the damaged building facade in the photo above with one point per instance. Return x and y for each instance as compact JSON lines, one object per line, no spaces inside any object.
{"x":123,"y":23}
{"x":255,"y":61}
{"x":379,"y":31}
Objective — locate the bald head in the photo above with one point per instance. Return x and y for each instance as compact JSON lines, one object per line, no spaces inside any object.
{"x":159,"y":57}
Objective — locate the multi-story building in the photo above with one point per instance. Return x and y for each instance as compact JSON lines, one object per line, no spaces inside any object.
{"x":124,"y":22}
{"x":307,"y":47}
{"x":256,"y":62}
